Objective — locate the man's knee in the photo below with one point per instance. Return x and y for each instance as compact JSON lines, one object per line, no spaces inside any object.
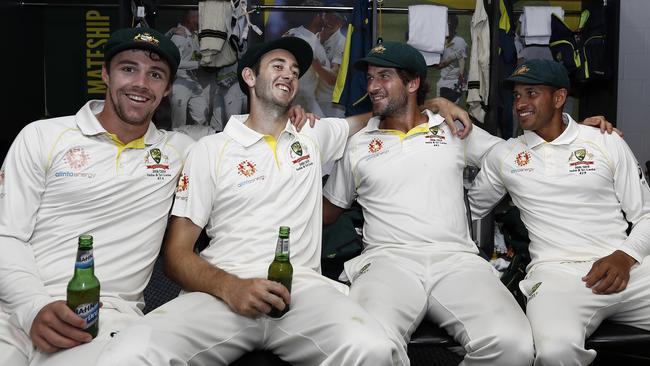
{"x":558,"y":350}
{"x":505,"y":347}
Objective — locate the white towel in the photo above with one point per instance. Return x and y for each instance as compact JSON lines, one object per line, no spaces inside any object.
{"x":427,"y":30}
{"x":536,"y":23}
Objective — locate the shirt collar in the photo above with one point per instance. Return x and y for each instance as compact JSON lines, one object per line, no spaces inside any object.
{"x":567,"y":136}
{"x":244,"y":135}
{"x":434,"y":120}
{"x":89,"y":125}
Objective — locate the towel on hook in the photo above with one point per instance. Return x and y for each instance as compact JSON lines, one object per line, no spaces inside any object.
{"x":536,"y":23}
{"x":214,"y":18}
{"x":427,"y":31}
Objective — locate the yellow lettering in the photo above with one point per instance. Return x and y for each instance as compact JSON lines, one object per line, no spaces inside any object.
{"x":93,"y":43}
{"x":97,"y":74}
{"x":95,"y":15}
{"x":90,"y":63}
{"x":98,"y":32}
{"x":96,"y":87}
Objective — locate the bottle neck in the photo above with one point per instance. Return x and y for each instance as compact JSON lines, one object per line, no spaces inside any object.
{"x":85,"y":261}
{"x":282,"y":249}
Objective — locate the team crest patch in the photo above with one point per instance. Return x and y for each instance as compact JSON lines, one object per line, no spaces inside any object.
{"x":522,"y":70}
{"x":246,"y":168}
{"x":296,"y":148}
{"x":378,"y":50}
{"x":522,"y":158}
{"x":299,"y":156}
{"x":375,"y":145}
{"x":436,"y":136}
{"x":581,"y":161}
{"x":146,"y":37}
{"x":77,"y":158}
{"x":183,"y":183}
{"x":156,"y":163}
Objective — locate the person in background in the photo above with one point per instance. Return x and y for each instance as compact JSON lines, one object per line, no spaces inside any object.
{"x":334,"y":43}
{"x":452,"y":80}
{"x":191,"y":91}
{"x":311,"y":25}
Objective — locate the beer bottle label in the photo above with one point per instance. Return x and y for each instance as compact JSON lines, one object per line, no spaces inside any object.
{"x":84,"y":259}
{"x":88,"y":312}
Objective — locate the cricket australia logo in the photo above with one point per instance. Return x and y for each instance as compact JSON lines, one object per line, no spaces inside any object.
{"x":435,"y":137}
{"x":76,"y":158}
{"x":581,"y":161}
{"x":157,"y":164}
{"x":299,"y":155}
{"x":375,"y":146}
{"x":246,"y":168}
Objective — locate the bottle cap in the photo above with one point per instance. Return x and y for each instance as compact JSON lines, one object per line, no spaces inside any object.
{"x":284,"y":231}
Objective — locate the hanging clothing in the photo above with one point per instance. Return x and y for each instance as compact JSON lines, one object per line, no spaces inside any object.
{"x":351,"y":88}
{"x":479,"y":64}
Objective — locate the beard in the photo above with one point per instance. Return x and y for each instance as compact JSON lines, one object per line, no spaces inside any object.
{"x":265,"y":97}
{"x":395,"y":106}
{"x":134,"y":118}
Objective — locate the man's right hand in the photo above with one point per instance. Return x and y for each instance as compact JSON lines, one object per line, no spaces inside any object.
{"x":255,"y":296}
{"x":57,"y":327}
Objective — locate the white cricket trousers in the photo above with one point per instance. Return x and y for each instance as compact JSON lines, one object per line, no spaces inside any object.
{"x":458,"y":291}
{"x":323,"y":327}
{"x":563,"y":312}
{"x":16,"y":348}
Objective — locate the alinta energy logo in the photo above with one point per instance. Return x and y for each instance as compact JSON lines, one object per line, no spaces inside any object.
{"x":77,"y":159}
{"x":522,"y":158}
{"x":375,"y":145}
{"x":246,"y":168}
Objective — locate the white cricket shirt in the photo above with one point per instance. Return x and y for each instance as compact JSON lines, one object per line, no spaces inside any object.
{"x":410,"y":185}
{"x":570,"y":192}
{"x":242,"y":186}
{"x":67,"y":176}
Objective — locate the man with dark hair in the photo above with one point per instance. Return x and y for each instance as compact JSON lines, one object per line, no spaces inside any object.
{"x":576,"y":190}
{"x":406,"y":171}
{"x":241,"y":185}
{"x":106,"y":171}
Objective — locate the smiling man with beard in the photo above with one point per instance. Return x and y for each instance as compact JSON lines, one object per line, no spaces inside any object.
{"x":405,"y":169}
{"x":106,"y":171}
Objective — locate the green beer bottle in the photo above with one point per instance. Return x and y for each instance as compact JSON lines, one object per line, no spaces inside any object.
{"x":83,"y":288}
{"x":281,"y":269}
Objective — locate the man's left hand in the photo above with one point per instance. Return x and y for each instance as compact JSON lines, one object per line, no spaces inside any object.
{"x":603,"y":124}
{"x":299,"y":117}
{"x":610,"y":274}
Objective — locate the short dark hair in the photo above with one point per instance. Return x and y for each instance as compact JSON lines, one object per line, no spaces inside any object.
{"x":423,"y":89}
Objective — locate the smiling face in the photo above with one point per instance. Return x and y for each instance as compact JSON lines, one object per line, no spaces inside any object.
{"x":276,"y":83}
{"x":386,"y":90}
{"x":536,"y":105}
{"x":136,"y":83}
